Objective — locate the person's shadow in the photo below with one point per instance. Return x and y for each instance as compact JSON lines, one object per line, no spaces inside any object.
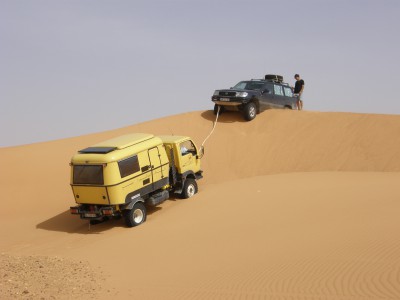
{"x":224,"y":117}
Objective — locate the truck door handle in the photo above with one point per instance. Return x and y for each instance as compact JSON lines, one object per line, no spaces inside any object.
{"x":145,"y":168}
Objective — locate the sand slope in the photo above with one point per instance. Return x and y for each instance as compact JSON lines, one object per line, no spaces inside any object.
{"x":276,"y":218}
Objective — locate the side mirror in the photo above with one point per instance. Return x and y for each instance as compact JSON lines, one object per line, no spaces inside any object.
{"x":201,"y":153}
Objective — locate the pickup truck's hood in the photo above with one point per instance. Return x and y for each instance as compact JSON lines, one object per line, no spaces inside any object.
{"x":232,"y":92}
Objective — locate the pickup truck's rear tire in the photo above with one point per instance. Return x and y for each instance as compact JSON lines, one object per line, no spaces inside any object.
{"x":189,"y":188}
{"x":250,"y":111}
{"x":136,"y":215}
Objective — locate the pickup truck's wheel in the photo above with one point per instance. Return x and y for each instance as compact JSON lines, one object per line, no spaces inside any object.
{"x":250,"y":111}
{"x":189,"y":188}
{"x":136,"y":215}
{"x":221,"y":109}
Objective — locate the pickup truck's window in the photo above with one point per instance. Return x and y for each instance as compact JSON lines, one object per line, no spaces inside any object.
{"x":84,"y":174}
{"x":268,"y":87}
{"x":278,"y":90}
{"x":249,"y":85}
{"x":240,"y":86}
{"x":128,"y":166}
{"x":288,"y":91}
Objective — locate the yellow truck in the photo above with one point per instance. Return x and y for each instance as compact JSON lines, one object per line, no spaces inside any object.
{"x":122,"y":176}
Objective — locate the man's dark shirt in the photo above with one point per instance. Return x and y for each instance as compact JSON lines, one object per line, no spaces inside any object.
{"x":297,"y":87}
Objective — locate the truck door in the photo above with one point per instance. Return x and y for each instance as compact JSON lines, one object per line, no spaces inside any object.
{"x":188,"y":156}
{"x":290,"y":100}
{"x":155,"y":165}
{"x":279,"y":97}
{"x":267,"y":96}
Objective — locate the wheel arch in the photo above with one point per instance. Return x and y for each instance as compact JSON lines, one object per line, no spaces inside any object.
{"x":256,"y":101}
{"x":188,"y":174}
{"x":130,"y":205}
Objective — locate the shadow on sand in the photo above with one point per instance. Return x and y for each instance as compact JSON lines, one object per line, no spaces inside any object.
{"x":225,"y":117}
{"x":65,"y":222}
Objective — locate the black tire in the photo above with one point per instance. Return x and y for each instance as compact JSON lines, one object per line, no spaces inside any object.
{"x":221,"y":109}
{"x":189,"y":188}
{"x":250,"y":111}
{"x":136,"y":215}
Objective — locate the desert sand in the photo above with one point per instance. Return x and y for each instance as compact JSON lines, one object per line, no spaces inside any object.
{"x":293,"y":205}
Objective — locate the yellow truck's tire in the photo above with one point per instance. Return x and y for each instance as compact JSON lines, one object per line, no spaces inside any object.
{"x":136,"y":215}
{"x":189,"y":188}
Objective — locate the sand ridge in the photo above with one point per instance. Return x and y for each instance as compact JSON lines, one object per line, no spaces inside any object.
{"x":293,"y":205}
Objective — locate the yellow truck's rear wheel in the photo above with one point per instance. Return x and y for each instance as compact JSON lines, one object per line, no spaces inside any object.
{"x":136,"y":215}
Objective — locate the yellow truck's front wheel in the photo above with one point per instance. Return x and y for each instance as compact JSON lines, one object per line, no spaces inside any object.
{"x":189,"y":188}
{"x":136,"y":215}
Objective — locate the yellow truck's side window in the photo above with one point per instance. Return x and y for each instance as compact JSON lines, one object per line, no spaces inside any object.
{"x":187,"y":147}
{"x":128,"y":166}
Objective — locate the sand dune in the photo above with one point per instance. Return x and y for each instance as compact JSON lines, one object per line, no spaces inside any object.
{"x":293,"y":205}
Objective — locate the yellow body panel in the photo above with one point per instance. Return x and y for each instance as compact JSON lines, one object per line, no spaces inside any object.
{"x":152,"y":166}
{"x":118,"y":193}
{"x":90,"y":194}
{"x":183,"y":162}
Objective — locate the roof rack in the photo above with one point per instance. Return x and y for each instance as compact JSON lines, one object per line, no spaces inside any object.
{"x":274,"y":78}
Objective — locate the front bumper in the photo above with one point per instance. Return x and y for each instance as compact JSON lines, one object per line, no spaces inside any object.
{"x":224,"y":103}
{"x":231,"y":101}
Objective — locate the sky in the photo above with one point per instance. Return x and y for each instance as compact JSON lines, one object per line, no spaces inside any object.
{"x":74,"y":67}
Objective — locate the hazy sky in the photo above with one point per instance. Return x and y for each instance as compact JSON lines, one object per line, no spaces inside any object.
{"x":69,"y":68}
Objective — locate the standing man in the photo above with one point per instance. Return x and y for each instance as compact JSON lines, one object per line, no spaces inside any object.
{"x":298,"y":89}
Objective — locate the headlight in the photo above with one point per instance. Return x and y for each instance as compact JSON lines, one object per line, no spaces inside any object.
{"x":216,"y":93}
{"x":241,"y":94}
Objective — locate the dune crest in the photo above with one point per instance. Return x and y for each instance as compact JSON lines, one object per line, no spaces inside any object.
{"x":275,"y":142}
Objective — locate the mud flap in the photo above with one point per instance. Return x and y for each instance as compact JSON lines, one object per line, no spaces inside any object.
{"x":179,"y":187}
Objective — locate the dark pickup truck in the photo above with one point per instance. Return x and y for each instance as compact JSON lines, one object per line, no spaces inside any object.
{"x":254,"y":96}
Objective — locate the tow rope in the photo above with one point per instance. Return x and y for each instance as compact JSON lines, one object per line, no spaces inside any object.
{"x":212,"y":131}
